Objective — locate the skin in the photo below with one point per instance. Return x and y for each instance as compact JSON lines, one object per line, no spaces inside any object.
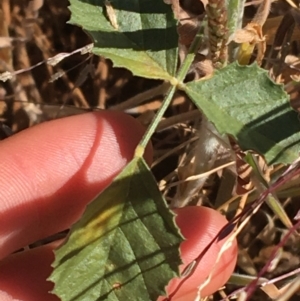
{"x":48,"y":175}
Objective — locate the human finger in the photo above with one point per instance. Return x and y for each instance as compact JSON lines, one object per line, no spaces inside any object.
{"x":51,"y":171}
{"x":23,"y":275}
{"x":199,"y":225}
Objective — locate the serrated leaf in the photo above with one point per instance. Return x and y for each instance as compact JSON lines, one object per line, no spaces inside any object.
{"x":125,"y":246}
{"x":139,"y":35}
{"x":244,"y":102}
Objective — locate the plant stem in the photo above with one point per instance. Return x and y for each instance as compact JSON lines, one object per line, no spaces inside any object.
{"x":177,"y":83}
{"x":151,"y":129}
{"x":192,"y":52}
{"x":235,"y":11}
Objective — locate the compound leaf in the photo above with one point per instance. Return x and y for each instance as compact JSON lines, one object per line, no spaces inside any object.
{"x":244,"y":102}
{"x":139,"y":35}
{"x":125,"y":246}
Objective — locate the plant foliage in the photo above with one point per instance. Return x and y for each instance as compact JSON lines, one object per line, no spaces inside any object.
{"x":126,"y":245}
{"x":244,"y":102}
{"x":138,"y":35}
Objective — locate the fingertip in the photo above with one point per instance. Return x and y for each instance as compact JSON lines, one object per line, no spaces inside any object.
{"x":199,"y":225}
{"x":131,"y":128}
{"x":51,"y":171}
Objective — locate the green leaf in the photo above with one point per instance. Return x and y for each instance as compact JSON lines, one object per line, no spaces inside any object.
{"x":139,"y":35}
{"x":244,"y":102}
{"x":125,"y":246}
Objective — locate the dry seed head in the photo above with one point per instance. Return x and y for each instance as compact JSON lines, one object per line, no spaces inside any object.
{"x":218,"y":33}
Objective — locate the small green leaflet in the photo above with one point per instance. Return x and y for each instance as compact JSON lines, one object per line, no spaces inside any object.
{"x":125,"y":246}
{"x":244,"y":102}
{"x":139,"y":35}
